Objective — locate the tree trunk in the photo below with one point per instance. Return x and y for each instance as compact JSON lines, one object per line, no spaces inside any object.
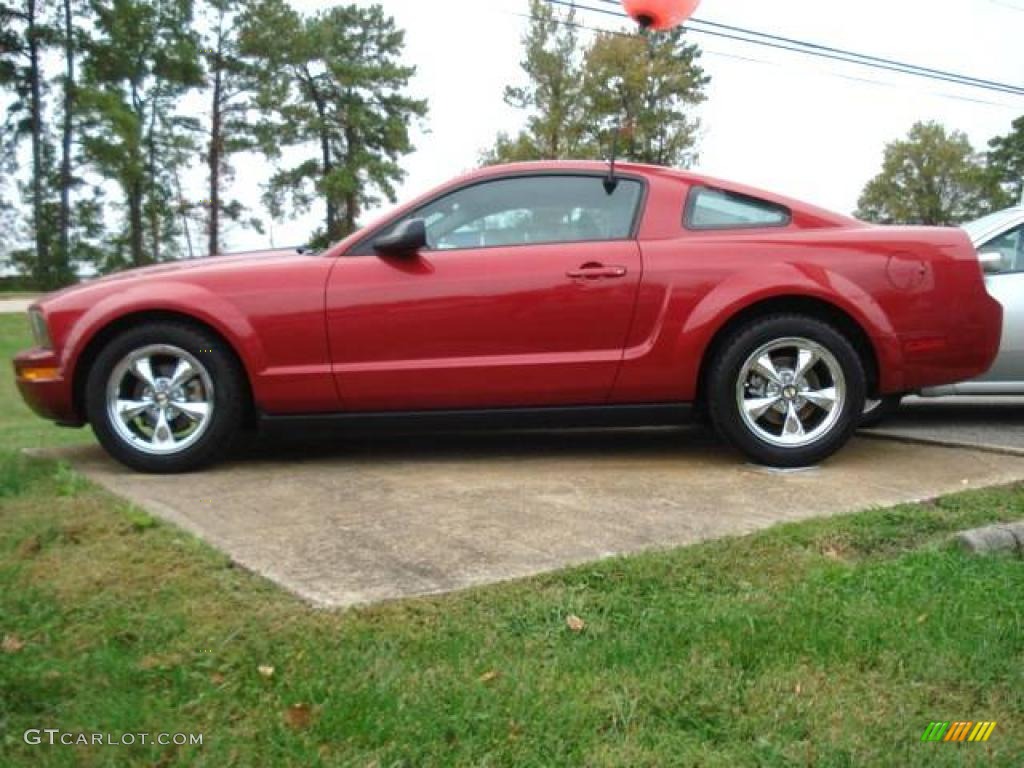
{"x":183,"y":209}
{"x":351,"y":214}
{"x":214,"y":161}
{"x":63,"y":263}
{"x":325,"y":148}
{"x":135,"y":223}
{"x":325,"y":151}
{"x":216,"y":154}
{"x":155,"y":234}
{"x":352,"y":198}
{"x":42,"y":266}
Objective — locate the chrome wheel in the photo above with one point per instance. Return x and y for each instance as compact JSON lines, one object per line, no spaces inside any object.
{"x":160,"y":399}
{"x":791,"y":392}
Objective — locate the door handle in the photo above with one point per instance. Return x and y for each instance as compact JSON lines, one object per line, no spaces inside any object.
{"x":596,"y":271}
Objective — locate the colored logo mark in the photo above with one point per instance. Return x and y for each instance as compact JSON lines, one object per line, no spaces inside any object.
{"x":960,"y":730}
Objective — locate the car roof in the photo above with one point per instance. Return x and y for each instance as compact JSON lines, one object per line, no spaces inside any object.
{"x":994,"y":224}
{"x":823,"y":215}
{"x":810,"y":215}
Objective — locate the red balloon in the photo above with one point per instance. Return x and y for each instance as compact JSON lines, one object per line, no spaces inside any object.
{"x":660,"y":14}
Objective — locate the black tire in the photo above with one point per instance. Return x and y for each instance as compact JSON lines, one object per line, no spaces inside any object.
{"x":877,"y":411}
{"x":723,"y":384}
{"x":224,"y":373}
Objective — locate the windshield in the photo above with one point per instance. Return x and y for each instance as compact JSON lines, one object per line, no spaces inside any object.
{"x":980,"y":227}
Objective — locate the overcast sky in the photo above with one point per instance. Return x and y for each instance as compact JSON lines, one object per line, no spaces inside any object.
{"x":802,"y":126}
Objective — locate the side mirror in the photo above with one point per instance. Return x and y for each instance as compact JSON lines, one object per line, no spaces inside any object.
{"x":408,"y":238}
{"x":991,"y":262}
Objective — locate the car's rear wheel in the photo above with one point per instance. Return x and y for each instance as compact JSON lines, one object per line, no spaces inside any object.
{"x":787,"y":390}
{"x":165,"y":397}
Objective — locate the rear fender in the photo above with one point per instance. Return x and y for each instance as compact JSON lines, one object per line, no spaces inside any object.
{"x":742,"y":293}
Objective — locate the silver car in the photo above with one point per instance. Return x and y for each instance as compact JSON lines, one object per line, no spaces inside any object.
{"x":999,"y":240}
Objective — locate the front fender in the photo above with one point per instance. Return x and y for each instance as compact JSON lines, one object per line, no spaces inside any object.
{"x":180,"y":298}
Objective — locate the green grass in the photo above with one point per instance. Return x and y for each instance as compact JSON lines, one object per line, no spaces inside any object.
{"x":829,"y":643}
{"x":19,"y":427}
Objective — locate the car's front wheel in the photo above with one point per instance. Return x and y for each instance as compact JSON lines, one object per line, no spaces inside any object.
{"x":165,"y":397}
{"x":787,"y":390}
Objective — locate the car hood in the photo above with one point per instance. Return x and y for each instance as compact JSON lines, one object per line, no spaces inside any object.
{"x":238,"y":261}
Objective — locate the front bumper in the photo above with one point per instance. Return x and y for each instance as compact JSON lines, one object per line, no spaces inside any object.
{"x":44,"y":388}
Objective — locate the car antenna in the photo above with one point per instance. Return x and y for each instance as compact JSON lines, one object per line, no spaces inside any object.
{"x":611,"y":183}
{"x":623,"y":129}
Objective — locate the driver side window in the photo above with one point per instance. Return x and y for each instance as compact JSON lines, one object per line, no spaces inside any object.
{"x":529,"y":211}
{"x":1010,"y":246}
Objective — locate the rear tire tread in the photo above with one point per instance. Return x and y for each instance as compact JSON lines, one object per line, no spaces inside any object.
{"x":725,"y":368}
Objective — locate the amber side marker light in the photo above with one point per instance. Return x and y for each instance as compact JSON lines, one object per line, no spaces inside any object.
{"x":39,"y":374}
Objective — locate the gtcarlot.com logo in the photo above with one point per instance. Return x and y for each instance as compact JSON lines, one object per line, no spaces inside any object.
{"x":56,"y":736}
{"x":960,"y":730}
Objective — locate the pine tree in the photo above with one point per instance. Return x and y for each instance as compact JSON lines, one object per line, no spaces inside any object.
{"x":67,"y":41}
{"x":646,"y":87}
{"x":552,"y":96}
{"x":141,"y":58}
{"x":232,"y":82}
{"x":334,"y":82}
{"x":1006,"y":162}
{"x":638,"y":91}
{"x":25,"y":34}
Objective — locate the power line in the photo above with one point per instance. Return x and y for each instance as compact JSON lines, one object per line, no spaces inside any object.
{"x":753,"y":37}
{"x":867,"y":57}
{"x":1004,"y":4}
{"x":812,"y":48}
{"x":755,"y":60}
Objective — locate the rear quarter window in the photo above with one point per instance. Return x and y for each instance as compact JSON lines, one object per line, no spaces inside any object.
{"x":709,"y":209}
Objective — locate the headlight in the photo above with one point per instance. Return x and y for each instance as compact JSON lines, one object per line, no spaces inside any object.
{"x":39,"y":330}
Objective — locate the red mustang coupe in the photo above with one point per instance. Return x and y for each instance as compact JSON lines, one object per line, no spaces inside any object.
{"x":530,"y":294}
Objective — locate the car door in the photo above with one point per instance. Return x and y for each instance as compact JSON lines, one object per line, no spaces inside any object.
{"x":523,"y":297}
{"x":1006,"y":285}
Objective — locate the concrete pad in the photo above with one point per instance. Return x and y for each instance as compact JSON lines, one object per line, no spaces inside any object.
{"x":988,"y":423}
{"x":362,"y":519}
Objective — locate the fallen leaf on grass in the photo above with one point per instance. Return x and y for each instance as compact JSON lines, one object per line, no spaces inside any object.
{"x":73,"y":534}
{"x":575,"y":623}
{"x":161,"y":661}
{"x":266,"y":670}
{"x":490,"y":676}
{"x":12,"y":644}
{"x":29,"y":547}
{"x":298,"y":716}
